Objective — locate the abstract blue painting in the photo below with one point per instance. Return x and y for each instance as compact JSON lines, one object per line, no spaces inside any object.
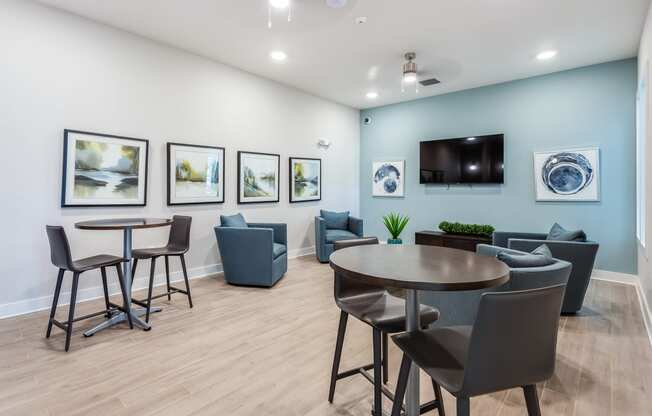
{"x":388,"y":178}
{"x":567,"y":175}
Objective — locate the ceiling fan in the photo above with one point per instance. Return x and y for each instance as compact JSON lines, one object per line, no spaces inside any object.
{"x":287,"y":4}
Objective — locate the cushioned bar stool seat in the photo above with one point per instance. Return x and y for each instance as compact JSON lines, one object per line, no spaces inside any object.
{"x":62,"y":258}
{"x":385,"y":313}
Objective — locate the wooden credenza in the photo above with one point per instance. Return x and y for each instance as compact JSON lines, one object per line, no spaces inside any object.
{"x":440,"y":239}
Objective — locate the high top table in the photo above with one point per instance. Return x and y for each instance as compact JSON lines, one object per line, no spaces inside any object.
{"x":415,"y":268}
{"x":126,"y":225}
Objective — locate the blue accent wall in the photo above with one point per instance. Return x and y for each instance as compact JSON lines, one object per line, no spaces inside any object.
{"x":590,"y":106}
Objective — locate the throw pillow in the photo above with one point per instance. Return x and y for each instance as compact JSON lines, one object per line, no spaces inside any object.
{"x":559,"y":233}
{"x":539,"y":257}
{"x":236,"y":220}
{"x":335,"y":220}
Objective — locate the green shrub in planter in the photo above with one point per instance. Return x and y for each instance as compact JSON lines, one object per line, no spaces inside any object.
{"x":472,"y":229}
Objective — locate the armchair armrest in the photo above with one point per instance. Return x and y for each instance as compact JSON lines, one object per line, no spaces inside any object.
{"x":492,"y":251}
{"x":280,"y":230}
{"x":320,"y":231}
{"x":564,"y":250}
{"x":356,"y":226}
{"x":501,"y":238}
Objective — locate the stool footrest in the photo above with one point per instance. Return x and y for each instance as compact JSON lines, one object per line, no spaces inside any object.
{"x":172,"y":291}
{"x":354,"y":371}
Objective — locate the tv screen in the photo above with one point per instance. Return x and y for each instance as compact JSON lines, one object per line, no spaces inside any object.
{"x":473,"y":159}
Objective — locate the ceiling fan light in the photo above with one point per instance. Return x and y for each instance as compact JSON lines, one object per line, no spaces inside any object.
{"x":279,"y":4}
{"x":410,"y":77}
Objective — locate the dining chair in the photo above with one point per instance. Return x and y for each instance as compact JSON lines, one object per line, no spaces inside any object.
{"x":177,"y":246}
{"x":511,"y":344}
{"x":61,"y":257}
{"x":385,"y":313}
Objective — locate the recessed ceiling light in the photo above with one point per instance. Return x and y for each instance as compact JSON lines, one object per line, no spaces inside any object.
{"x":545,"y":55}
{"x":278,"y":56}
{"x":372,"y":95}
{"x":279,"y":4}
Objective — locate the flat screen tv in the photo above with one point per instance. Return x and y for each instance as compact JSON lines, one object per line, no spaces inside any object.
{"x":471,"y":160}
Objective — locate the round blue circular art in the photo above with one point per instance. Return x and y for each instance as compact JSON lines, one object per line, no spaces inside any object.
{"x":567,"y":173}
{"x":388,"y":175}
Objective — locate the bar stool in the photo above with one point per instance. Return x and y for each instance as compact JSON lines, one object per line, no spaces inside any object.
{"x":385,"y":313}
{"x":61,"y":258}
{"x":511,"y":344}
{"x":178,"y":245}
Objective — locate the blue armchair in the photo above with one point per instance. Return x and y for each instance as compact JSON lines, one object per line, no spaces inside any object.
{"x":254,"y":254}
{"x":581,"y":254}
{"x":331,"y":227}
{"x":460,"y":308}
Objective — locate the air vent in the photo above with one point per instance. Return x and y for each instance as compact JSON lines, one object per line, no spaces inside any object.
{"x":429,"y":82}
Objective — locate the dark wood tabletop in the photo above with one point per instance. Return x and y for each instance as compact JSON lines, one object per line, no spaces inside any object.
{"x":122,"y":223}
{"x":419,"y":267}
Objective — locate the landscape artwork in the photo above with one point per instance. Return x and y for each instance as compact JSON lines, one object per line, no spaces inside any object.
{"x":103,"y":170}
{"x":567,"y":175}
{"x":305,"y":179}
{"x":258,"y":177}
{"x":388,"y":178}
{"x":195,"y":174}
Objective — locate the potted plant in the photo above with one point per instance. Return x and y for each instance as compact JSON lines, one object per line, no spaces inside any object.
{"x":395,"y":223}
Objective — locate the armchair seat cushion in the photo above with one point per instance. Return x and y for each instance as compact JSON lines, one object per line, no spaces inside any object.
{"x":278,"y":249}
{"x":336,"y":220}
{"x":336,"y":235}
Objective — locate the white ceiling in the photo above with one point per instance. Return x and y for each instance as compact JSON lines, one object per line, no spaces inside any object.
{"x":463,"y":43}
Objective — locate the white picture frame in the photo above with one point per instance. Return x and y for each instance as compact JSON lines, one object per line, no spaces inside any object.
{"x":388,"y":178}
{"x":567,"y":175}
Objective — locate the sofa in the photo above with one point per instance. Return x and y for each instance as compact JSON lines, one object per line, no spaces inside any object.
{"x":460,"y":308}
{"x":334,"y":226}
{"x":580,"y":252}
{"x":253,"y":254}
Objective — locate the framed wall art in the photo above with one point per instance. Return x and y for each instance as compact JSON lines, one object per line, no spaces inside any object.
{"x":567,"y":175}
{"x":388,"y":178}
{"x":305,"y":179}
{"x":258,"y":177}
{"x":101,"y":170}
{"x":195,"y":174}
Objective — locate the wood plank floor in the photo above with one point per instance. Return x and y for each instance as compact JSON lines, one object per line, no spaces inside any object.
{"x":244,"y":351}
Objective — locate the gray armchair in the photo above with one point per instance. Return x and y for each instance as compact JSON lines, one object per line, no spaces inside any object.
{"x":460,"y":308}
{"x":255,"y":255}
{"x":581,"y":254}
{"x":325,"y":237}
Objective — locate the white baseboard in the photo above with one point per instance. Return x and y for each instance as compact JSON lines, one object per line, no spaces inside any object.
{"x":634,"y":280}
{"x":26,"y":306}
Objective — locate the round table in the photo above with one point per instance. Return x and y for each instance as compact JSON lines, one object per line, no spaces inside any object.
{"x":414,"y":268}
{"x":127,"y":225}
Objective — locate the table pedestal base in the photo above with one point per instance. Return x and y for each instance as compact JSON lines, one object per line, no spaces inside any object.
{"x":122,"y":317}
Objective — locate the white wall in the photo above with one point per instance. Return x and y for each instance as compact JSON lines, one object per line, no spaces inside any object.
{"x":60,"y":71}
{"x":644,"y":260}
